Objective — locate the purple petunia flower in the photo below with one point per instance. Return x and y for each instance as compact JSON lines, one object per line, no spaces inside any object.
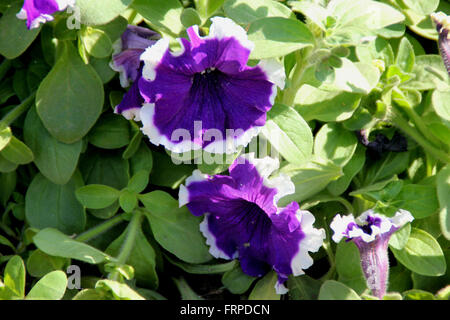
{"x":442,"y":22}
{"x":242,"y":219}
{"x":40,"y":11}
{"x":371,"y":233}
{"x":126,"y":61}
{"x":205,"y":93}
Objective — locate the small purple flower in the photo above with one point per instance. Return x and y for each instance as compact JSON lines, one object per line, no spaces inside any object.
{"x":206,"y":91}
{"x":40,"y":11}
{"x":371,"y":233}
{"x":126,"y":61}
{"x":242,"y":219}
{"x":442,"y":22}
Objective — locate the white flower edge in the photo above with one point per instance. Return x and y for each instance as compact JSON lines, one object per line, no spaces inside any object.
{"x":183,"y":193}
{"x":340,"y":223}
{"x":228,"y":145}
{"x":211,"y":241}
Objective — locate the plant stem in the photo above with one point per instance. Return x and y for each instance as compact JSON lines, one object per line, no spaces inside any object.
{"x":300,"y":66}
{"x":403,"y":125}
{"x":327,"y":246}
{"x":97,"y":230}
{"x":130,"y":237}
{"x":17,"y":111}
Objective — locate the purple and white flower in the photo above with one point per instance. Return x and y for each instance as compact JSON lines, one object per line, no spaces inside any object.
{"x":126,"y":61}
{"x":242,"y":219}
{"x":40,"y":11}
{"x":442,"y":22}
{"x":371,"y":233}
{"x":206,"y":82}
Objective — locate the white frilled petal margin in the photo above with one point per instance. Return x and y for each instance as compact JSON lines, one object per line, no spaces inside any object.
{"x":43,"y":18}
{"x":117,"y":48}
{"x":220,"y":28}
{"x":312,"y":242}
{"x":340,"y":223}
{"x":183,"y":194}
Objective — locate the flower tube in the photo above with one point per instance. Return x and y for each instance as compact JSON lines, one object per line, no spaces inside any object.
{"x":371,"y":233}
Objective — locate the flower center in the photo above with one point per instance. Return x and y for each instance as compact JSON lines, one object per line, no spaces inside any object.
{"x":207,"y":76}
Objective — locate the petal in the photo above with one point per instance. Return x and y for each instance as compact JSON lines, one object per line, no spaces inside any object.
{"x":401,"y":218}
{"x":131,"y":104}
{"x":340,"y":226}
{"x":203,"y":83}
{"x":37,"y":12}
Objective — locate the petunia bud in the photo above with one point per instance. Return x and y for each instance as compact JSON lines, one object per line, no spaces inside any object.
{"x":371,"y":233}
{"x":442,"y":22}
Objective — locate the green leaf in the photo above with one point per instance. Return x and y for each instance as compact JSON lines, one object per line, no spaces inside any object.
{"x":17,"y":152}
{"x":420,"y":200}
{"x":354,"y":77}
{"x":162,"y":15}
{"x":423,"y":7}
{"x":110,"y":132}
{"x":236,"y":281}
{"x":128,"y":200}
{"x":204,"y":268}
{"x":333,"y":290}
{"x":101,"y":11}
{"x":265,"y":288}
{"x":51,"y":205}
{"x":14,"y":277}
{"x":313,"y":11}
{"x":313,"y":103}
{"x":443,"y":192}
{"x":175,"y":229}
{"x":190,"y":17}
{"x":39,"y":263}
{"x":51,"y":287}
{"x":15,"y":38}
{"x":390,"y":164}
{"x":186,"y":291}
{"x":275,"y":37}
{"x":350,"y":170}
{"x":55,"y":243}
{"x":348,"y":266}
{"x":96,"y":42}
{"x":415,"y":294}
{"x":206,"y":8}
{"x":303,"y":288}
{"x":399,"y":238}
{"x":70,"y":98}
{"x":97,"y":196}
{"x":335,"y":144}
{"x":430,"y":73}
{"x":5,"y":137}
{"x":167,"y":174}
{"x":289,"y":134}
{"x":405,"y":56}
{"x":106,"y":168}
{"x":216,"y":163}
{"x":440,"y":100}
{"x":56,"y":160}
{"x":309,"y":179}
{"x":139,"y":181}
{"x":120,"y":291}
{"x":245,"y":12}
{"x":142,"y":258}
{"x":142,"y":159}
{"x":422,"y":254}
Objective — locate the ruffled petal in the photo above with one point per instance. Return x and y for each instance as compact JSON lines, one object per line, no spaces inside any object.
{"x":197,"y":91}
{"x":40,"y":11}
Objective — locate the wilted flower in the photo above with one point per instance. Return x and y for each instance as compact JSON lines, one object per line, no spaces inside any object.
{"x":442,"y":22}
{"x":371,"y":233}
{"x":242,"y":219}
{"x":40,"y":11}
{"x":128,"y":50}
{"x":205,"y":94}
